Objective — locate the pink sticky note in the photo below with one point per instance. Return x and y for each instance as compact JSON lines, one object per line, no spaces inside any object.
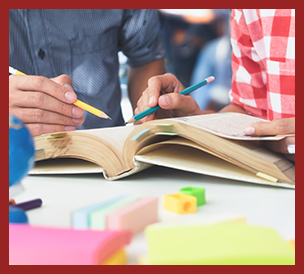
{"x":36,"y":245}
{"x":134,"y":216}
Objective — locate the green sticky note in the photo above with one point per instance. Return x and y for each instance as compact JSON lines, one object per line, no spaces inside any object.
{"x":165,"y":129}
{"x":219,"y":244}
{"x":166,"y":133}
{"x":97,"y":218}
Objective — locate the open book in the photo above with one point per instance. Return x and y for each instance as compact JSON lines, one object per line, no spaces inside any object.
{"x":212,"y":144}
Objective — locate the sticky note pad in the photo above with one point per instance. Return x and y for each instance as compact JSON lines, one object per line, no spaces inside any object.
{"x":219,"y":244}
{"x":36,"y":245}
{"x":134,"y":216}
{"x":80,"y":217}
{"x":97,"y":218}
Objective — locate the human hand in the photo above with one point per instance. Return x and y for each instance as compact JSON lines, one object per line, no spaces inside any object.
{"x":276,"y":127}
{"x":45,"y":105}
{"x":164,"y":91}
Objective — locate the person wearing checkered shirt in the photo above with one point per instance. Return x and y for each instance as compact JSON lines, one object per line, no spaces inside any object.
{"x":263,"y":80}
{"x":71,"y":54}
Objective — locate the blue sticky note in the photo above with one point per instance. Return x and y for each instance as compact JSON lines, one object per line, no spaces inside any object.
{"x":80,"y":217}
{"x":135,"y":137}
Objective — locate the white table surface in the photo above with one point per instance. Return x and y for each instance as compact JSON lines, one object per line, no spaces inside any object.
{"x":61,"y":194}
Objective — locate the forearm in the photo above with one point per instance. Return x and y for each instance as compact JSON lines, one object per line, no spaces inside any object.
{"x":138,"y":78}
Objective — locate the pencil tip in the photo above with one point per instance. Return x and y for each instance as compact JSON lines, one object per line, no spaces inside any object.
{"x":104,"y":116}
{"x":130,"y":121}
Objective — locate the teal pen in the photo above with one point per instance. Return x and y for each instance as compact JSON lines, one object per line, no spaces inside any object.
{"x":157,"y":107}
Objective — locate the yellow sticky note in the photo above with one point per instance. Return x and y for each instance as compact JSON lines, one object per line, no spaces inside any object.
{"x":219,"y":244}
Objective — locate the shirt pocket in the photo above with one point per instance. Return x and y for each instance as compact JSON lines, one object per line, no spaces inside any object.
{"x":281,"y":87}
{"x":94,"y":61}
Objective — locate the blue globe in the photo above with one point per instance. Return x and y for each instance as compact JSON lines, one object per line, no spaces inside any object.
{"x":21,"y":150}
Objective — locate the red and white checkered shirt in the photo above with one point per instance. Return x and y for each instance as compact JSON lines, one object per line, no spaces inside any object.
{"x":263,"y":62}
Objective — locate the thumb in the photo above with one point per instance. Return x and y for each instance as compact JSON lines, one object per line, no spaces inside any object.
{"x":182,"y":103}
{"x":275,"y":127}
{"x":63,"y":79}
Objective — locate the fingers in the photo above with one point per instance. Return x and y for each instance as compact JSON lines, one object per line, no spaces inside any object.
{"x":164,"y":91}
{"x":45,"y":85}
{"x":276,"y":127}
{"x":160,"y":84}
{"x":282,"y":126}
{"x":45,"y":105}
{"x":41,"y":122}
{"x":39,"y":100}
{"x":282,"y":146}
{"x":40,"y":116}
{"x":142,"y":104}
{"x":285,"y":146}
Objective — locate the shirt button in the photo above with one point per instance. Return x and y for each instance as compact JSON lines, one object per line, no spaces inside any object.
{"x":41,"y":54}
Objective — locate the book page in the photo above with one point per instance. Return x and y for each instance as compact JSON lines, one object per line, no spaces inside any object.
{"x":194,"y":160}
{"x":116,"y":136}
{"x":228,"y":125}
{"x":65,"y":166}
{"x":101,"y":146}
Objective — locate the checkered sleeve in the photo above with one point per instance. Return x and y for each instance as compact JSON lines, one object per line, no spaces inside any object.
{"x":263,"y":62}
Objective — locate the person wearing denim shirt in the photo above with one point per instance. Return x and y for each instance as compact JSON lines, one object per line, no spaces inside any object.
{"x":72,"y":54}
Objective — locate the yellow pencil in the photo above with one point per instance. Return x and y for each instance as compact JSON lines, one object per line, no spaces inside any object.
{"x":91,"y":109}
{"x":78,"y":103}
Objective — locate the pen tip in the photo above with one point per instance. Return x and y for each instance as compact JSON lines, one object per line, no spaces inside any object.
{"x":109,"y":118}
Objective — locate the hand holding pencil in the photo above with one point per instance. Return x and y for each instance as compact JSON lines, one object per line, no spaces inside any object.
{"x":165,"y":97}
{"x":47,"y":105}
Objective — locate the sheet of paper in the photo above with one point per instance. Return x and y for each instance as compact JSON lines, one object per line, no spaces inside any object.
{"x":228,"y":125}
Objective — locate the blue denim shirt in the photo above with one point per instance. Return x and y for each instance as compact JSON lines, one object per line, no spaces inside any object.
{"x":84,"y":45}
